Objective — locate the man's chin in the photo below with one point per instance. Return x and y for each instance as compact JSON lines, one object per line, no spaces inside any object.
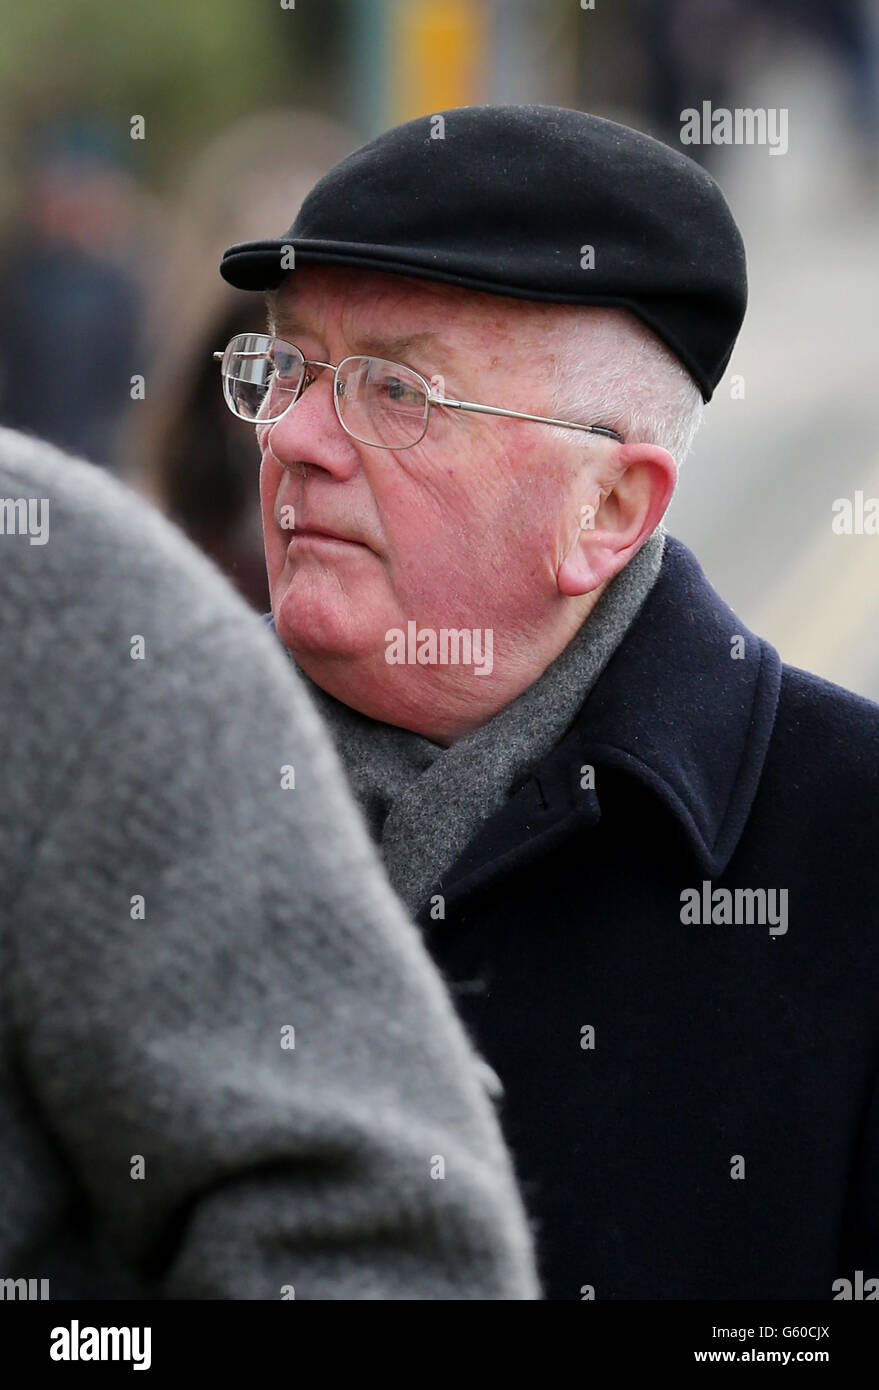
{"x":320,"y":631}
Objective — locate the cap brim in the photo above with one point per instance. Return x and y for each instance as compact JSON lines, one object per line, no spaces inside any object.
{"x":254,"y":265}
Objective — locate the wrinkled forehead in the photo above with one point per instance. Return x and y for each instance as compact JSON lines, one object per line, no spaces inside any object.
{"x":363,"y":305}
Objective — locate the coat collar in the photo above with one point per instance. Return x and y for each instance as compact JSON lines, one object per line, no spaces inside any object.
{"x":676,"y":710}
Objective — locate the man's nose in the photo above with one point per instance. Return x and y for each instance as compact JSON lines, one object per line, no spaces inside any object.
{"x":309,"y":432}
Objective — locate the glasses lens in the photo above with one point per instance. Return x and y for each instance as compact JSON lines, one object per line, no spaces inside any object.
{"x":381,"y":402}
{"x":261,"y":376}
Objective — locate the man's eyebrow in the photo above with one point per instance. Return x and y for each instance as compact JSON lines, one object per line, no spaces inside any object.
{"x":399,"y":346}
{"x":284,"y":323}
{"x":371,"y":344}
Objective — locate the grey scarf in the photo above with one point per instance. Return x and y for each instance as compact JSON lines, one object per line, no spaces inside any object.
{"x":424,"y":803}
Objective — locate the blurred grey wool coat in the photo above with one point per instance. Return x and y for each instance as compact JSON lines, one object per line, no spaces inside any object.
{"x":157,"y":1035}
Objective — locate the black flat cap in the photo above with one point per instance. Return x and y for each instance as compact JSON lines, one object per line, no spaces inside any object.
{"x":510,"y":199}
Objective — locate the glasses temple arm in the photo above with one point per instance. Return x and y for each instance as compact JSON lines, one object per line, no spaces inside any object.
{"x":518,"y":415}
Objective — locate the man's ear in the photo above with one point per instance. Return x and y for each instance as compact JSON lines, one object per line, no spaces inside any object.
{"x":627,"y":511}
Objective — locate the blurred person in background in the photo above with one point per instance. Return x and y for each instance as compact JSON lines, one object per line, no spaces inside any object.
{"x":70,"y":293}
{"x":228,"y":1068}
{"x":684,"y":71}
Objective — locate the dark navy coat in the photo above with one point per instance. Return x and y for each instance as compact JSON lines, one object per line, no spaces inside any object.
{"x":717,"y":1134}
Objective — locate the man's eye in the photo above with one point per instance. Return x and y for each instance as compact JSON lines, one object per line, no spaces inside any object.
{"x":400,"y":392}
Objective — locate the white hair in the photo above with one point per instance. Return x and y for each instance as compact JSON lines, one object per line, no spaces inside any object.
{"x":612,"y":370}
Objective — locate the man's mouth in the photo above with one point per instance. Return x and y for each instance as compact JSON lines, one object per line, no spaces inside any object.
{"x":323,"y":534}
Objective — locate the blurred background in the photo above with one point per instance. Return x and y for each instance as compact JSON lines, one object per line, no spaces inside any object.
{"x":137,"y":142}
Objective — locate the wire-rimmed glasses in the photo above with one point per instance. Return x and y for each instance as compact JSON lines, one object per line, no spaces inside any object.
{"x":380,"y":403}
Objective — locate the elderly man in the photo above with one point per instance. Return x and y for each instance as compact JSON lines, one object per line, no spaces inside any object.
{"x":639,"y":847}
